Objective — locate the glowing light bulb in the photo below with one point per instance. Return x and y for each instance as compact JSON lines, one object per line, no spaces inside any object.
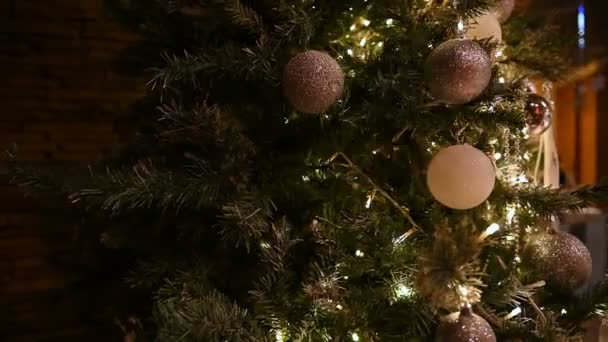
{"x":279,"y":336}
{"x":497,"y":155}
{"x":389,"y":22}
{"x":564,"y":311}
{"x":493,"y":228}
{"x":403,"y":291}
{"x":355,"y":337}
{"x":365,"y":22}
{"x":460,"y":25}
{"x":362,"y":42}
{"x":368,"y":203}
{"x":463,"y":291}
{"x":359,"y":253}
{"x":353,"y":27}
{"x":349,"y":52}
{"x":513,"y":313}
{"x":339,"y":307}
{"x":510,"y":214}
{"x":517,"y":259}
{"x":501,"y":79}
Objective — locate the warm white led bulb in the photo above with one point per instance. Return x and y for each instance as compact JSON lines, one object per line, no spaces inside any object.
{"x":460,"y":25}
{"x":513,"y":313}
{"x":403,"y":291}
{"x":493,"y":228}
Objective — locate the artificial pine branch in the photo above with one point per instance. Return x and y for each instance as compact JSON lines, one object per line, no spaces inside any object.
{"x":211,"y":317}
{"x":539,"y":46}
{"x":246,"y":221}
{"x":145,"y":186}
{"x":244,"y":16}
{"x":553,"y":202}
{"x":230,"y":61}
{"x":473,"y":8}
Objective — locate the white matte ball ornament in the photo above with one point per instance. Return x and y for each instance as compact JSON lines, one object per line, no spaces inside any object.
{"x":457,"y":71}
{"x":313,"y":81}
{"x":485,"y":26}
{"x":461,"y":177}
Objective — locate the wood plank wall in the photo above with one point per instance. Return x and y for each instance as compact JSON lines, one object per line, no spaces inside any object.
{"x":61,"y":100}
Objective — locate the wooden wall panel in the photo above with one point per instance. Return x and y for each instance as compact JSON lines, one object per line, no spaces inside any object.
{"x":565,"y":128}
{"x":589,"y":134}
{"x":61,"y":98}
{"x":578,"y":137}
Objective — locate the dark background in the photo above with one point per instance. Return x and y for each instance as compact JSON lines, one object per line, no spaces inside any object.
{"x":62,"y":99}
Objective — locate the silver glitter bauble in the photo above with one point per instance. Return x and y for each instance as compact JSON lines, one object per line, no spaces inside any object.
{"x":464,"y":326}
{"x":461,"y":177}
{"x":458,"y":71}
{"x":539,"y":114}
{"x":484,"y":26}
{"x":313,"y":81}
{"x":503,"y":9}
{"x":560,"y":259}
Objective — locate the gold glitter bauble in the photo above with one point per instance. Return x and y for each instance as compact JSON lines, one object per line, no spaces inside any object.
{"x":458,"y":71}
{"x":464,"y":326}
{"x":560,"y":259}
{"x":485,"y":26}
{"x":313,"y":81}
{"x":503,"y":9}
{"x":461,"y":177}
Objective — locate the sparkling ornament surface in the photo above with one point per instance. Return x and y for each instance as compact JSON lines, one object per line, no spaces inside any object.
{"x":458,"y":71}
{"x":503,"y":9}
{"x":464,"y":326}
{"x":485,"y":26}
{"x":313,"y":81}
{"x":530,"y":86}
{"x":461,"y":177}
{"x":560,"y":259}
{"x":539,"y":114}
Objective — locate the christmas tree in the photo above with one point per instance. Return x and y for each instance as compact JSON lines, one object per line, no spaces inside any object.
{"x":326,"y":170}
